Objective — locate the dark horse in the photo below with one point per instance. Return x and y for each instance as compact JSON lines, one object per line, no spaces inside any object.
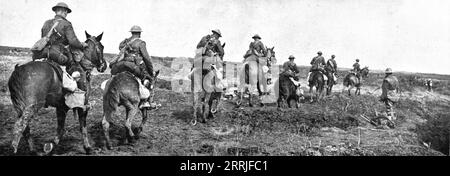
{"x":288,"y":92}
{"x":253,"y":74}
{"x":36,"y":84}
{"x":317,"y":81}
{"x":330,"y":81}
{"x":352,"y":81}
{"x":123,"y":90}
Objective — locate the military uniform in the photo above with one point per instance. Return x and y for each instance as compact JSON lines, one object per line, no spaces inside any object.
{"x":331,"y":69}
{"x":290,"y":68}
{"x":331,"y":66}
{"x":57,"y":49}
{"x":136,"y":59}
{"x":388,"y":95}
{"x":212,"y":46}
{"x":317,"y":63}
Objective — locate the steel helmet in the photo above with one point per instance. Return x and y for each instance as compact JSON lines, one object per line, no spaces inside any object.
{"x":256,"y":36}
{"x":388,"y":70}
{"x":291,"y":57}
{"x":357,"y":60}
{"x":217,"y":31}
{"x":62,"y":5}
{"x":320,"y":52}
{"x":136,"y":28}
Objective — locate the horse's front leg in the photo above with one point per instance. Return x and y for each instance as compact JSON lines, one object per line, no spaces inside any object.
{"x":206,"y":106}
{"x":349,"y":90}
{"x":196,"y":105}
{"x":82,"y":115}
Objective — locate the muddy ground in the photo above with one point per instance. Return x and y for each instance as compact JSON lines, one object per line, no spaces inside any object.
{"x":332,"y":127}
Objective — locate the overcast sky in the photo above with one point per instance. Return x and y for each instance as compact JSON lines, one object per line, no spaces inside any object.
{"x":407,"y":35}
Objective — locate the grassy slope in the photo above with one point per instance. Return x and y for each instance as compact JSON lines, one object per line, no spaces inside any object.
{"x":328,"y":128}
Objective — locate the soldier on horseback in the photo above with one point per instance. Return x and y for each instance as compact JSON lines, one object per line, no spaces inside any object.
{"x":317,"y":64}
{"x":212,"y":45}
{"x":290,"y":69}
{"x":356,"y":68}
{"x":256,"y":48}
{"x":136,"y":60}
{"x":64,"y":49}
{"x":331,"y":68}
{"x":63,"y":37}
{"x":208,"y":49}
{"x":257,"y":51}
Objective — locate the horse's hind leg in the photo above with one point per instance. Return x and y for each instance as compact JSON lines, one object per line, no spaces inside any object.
{"x":61,"y":114}
{"x":144,"y":120}
{"x":106,"y":124}
{"x":197,"y":104}
{"x":21,"y":125}
{"x":131,"y":113}
{"x":29,"y":139}
{"x":83,"y":129}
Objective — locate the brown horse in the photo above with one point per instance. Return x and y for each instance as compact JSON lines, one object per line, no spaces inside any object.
{"x":36,"y":84}
{"x":123,"y":90}
{"x":351,"y":81}
{"x":317,"y":81}
{"x":253,"y":77}
{"x":205,"y":78}
{"x":204,"y":91}
{"x":330,"y":81}
{"x":289,"y":93}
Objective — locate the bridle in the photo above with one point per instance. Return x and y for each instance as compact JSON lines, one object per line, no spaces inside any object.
{"x":98,"y":53}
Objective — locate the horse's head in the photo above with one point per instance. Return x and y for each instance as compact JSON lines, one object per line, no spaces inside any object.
{"x":94,"y":51}
{"x":365,"y":72}
{"x":271,"y":55}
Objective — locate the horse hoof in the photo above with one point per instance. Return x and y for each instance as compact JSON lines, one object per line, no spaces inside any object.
{"x":109,"y":147}
{"x":193,"y":122}
{"x":88,"y":150}
{"x":48,"y":148}
{"x":139,"y":130}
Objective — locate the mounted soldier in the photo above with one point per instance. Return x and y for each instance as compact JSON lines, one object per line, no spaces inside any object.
{"x":356,"y":68}
{"x":290,"y":69}
{"x":208,"y":66}
{"x":134,"y":58}
{"x":331,"y":68}
{"x":330,"y":72}
{"x":209,"y":54}
{"x":62,"y":45}
{"x":317,"y":64}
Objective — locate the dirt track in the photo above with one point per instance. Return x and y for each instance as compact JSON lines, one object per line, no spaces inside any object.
{"x":332,"y":127}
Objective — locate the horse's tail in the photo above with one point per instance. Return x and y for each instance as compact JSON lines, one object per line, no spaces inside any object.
{"x":346,"y":81}
{"x":111,"y":96}
{"x":16,"y":91}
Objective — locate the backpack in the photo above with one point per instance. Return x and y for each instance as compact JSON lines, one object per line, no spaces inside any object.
{"x":41,"y":43}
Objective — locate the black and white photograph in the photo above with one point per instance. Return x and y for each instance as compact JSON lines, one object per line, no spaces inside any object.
{"x":196,"y":78}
